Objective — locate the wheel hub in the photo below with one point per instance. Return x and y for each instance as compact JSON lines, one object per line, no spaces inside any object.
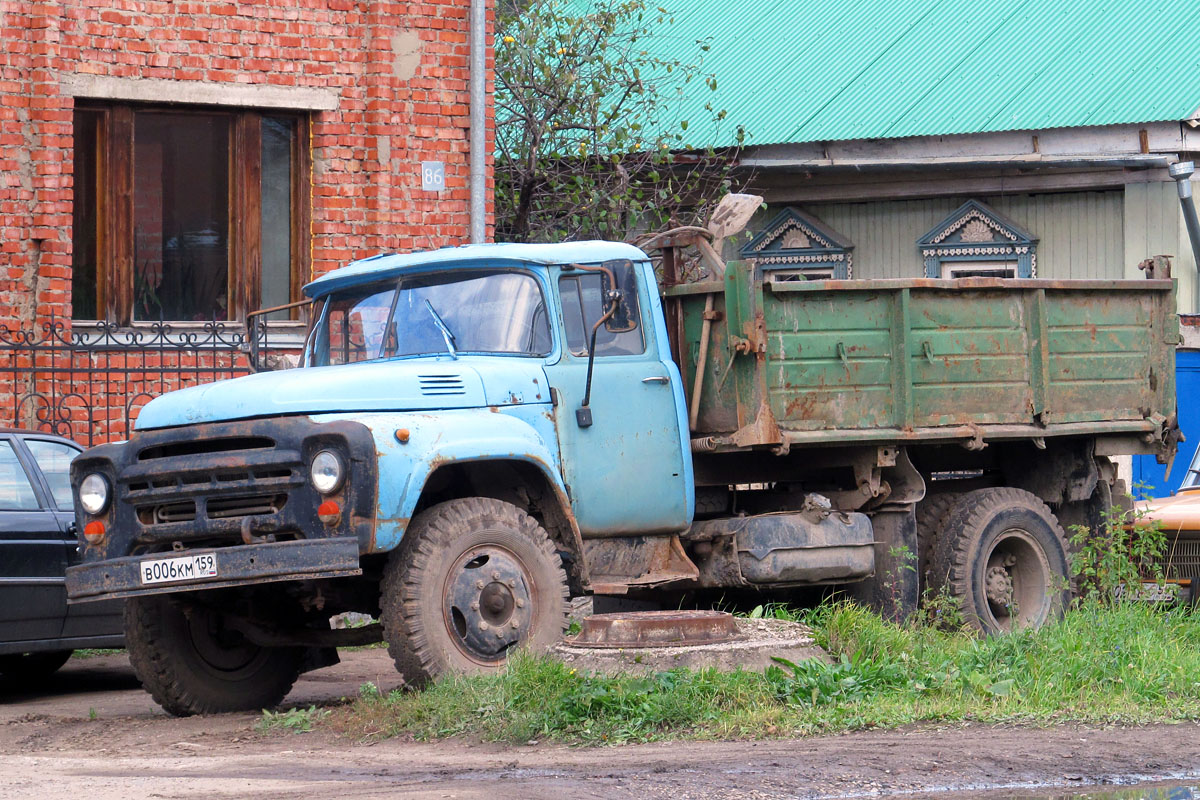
{"x":488,"y":602}
{"x":999,"y":587}
{"x":1016,"y":581}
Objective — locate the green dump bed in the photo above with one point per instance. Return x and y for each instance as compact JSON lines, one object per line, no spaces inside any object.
{"x":822,"y":362}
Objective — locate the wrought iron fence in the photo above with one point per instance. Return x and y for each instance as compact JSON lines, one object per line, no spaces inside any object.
{"x":88,"y":381}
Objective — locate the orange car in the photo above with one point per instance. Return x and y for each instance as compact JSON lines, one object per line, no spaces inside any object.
{"x":1179,"y":516}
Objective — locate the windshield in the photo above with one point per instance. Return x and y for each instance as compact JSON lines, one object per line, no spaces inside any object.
{"x":1191,"y":479}
{"x":442,"y":313}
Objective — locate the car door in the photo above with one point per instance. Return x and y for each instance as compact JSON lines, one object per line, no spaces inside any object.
{"x":33,"y":597}
{"x":627,"y":471}
{"x":53,"y":458}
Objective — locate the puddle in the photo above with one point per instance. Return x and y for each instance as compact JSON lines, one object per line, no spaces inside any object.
{"x":1189,"y":790}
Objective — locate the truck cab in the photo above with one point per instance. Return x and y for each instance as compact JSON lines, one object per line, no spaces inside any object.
{"x":438,"y":391}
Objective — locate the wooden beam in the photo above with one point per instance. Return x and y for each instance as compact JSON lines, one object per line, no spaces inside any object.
{"x":115,"y":286}
{"x":245,"y":218}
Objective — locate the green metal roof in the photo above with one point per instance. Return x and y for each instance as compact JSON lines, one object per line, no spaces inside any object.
{"x":825,"y":70}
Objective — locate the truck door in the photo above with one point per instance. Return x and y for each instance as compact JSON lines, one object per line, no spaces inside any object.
{"x":627,"y":472}
{"x":33,"y":595}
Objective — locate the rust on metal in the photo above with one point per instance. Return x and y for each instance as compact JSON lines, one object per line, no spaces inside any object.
{"x":656,"y":629}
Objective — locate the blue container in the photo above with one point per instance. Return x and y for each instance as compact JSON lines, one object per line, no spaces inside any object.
{"x":1146,"y":470}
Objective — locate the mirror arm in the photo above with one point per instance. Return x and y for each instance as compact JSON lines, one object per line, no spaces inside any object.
{"x":583,"y":414}
{"x":253,"y":328}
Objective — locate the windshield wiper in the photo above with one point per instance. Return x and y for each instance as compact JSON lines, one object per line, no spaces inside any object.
{"x":446,"y":334}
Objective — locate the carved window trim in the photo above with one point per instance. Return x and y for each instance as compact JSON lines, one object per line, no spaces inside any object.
{"x":962,"y":239}
{"x":795,"y":244}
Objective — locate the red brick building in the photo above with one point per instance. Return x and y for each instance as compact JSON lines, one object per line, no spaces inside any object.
{"x":189,"y":161}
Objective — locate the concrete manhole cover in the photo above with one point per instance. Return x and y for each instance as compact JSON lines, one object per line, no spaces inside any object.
{"x":656,"y":629}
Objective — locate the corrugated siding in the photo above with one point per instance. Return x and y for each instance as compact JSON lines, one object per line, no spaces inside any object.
{"x":1080,"y":234}
{"x":828,"y":70}
{"x":1154,"y":226}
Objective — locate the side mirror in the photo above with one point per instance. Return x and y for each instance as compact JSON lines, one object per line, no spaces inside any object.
{"x":623,"y":290}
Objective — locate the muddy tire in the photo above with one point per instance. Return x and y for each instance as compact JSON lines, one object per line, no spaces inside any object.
{"x":472,"y":579}
{"x":1002,"y":554}
{"x":32,"y":666}
{"x":191,"y":664}
{"x":931,"y":514}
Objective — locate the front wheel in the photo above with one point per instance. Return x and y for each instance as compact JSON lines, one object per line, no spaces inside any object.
{"x":472,"y":580}
{"x":191,"y":662}
{"x":1003,"y":556}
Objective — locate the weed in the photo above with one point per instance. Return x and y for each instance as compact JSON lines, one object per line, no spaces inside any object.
{"x":776,"y":611}
{"x":939,"y":609}
{"x":296,"y":720}
{"x":1125,"y":550}
{"x":92,"y":715}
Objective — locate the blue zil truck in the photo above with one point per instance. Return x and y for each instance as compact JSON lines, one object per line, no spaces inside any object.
{"x":476,"y":434}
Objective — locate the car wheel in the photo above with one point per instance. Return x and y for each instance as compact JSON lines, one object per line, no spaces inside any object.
{"x":32,"y":666}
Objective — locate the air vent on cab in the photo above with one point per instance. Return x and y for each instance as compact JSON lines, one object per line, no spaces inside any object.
{"x":437,"y":385}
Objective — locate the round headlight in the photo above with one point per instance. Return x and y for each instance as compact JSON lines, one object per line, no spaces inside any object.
{"x":326,"y":472}
{"x":93,"y":493}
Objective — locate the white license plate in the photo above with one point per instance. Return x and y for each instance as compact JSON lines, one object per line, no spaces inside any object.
{"x":180,"y":568}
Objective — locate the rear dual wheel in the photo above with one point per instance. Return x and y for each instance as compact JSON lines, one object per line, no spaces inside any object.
{"x":1002,"y":555}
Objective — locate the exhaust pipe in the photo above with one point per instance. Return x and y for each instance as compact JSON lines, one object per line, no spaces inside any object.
{"x":1182,"y":171}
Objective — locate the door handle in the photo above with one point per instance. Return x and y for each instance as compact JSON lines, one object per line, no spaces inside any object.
{"x":656,"y":379}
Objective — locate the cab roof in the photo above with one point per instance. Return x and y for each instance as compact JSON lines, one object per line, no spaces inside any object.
{"x":471,"y":256}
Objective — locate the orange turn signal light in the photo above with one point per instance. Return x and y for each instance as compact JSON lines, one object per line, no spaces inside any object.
{"x":402,"y":436}
{"x":329,"y":512}
{"x":94,"y":531}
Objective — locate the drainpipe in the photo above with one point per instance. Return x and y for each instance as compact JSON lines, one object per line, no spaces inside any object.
{"x":478,"y":139}
{"x":1182,"y":173}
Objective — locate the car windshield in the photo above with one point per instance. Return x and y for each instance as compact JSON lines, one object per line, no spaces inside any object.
{"x":447,"y":313}
{"x":1191,"y":479}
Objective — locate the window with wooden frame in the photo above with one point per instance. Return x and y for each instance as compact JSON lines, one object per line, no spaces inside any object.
{"x":188,"y":214}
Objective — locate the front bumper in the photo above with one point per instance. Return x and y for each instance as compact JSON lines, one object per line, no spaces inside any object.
{"x":267,"y":562}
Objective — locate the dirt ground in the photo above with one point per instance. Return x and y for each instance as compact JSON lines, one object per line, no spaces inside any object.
{"x":92,"y":732}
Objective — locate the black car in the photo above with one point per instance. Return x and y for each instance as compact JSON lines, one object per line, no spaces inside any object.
{"x":38,"y":630}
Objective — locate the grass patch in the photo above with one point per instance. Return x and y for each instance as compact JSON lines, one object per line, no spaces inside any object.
{"x":90,"y":652}
{"x":294,"y":720}
{"x":1127,"y":664}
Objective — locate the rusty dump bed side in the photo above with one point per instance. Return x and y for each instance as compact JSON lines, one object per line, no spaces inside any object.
{"x":834,"y":362}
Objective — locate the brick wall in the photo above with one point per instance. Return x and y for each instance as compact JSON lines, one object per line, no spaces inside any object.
{"x":400,"y":71}
{"x":400,"y":74}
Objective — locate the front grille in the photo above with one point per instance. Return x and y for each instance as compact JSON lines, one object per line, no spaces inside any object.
{"x":165,"y":513}
{"x":435,"y":385}
{"x":217,"y":508}
{"x":1182,"y":559}
{"x":226,"y":507}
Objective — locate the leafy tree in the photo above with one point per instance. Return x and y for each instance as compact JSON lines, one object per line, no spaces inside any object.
{"x":588,"y":136}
